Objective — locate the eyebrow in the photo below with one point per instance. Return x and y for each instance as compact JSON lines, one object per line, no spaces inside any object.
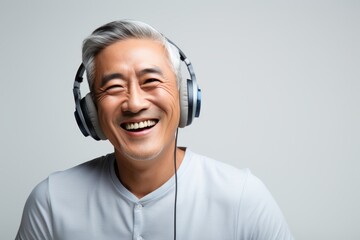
{"x":154,"y":69}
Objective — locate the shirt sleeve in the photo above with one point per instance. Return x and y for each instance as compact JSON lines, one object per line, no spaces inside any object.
{"x":36,"y":218}
{"x":260,"y":213}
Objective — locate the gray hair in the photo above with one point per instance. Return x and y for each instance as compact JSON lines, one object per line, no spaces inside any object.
{"x":122,"y":30}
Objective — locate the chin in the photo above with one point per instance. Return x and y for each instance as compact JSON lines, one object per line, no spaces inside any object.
{"x":140,"y":155}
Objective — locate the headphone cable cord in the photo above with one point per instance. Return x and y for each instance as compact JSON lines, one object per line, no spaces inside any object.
{"x":176,"y":182}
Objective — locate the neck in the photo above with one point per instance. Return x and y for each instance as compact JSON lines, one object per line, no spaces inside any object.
{"x":143,"y":177}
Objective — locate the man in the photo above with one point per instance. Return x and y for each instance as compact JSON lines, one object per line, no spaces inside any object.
{"x":148,"y":188}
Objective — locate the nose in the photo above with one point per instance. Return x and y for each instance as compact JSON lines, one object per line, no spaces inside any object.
{"x":136,"y":100}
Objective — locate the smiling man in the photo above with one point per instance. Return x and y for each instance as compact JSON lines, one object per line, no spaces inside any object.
{"x":148,"y":188}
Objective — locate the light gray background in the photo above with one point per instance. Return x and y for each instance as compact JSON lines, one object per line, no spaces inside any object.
{"x":280,"y":83}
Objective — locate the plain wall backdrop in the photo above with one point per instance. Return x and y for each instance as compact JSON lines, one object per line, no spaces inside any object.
{"x":280,"y":82}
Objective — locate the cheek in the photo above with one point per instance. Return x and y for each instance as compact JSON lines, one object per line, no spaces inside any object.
{"x":106,"y":111}
{"x":168,"y":98}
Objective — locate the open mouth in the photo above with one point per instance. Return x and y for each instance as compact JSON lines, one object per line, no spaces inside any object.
{"x":139,"y":126}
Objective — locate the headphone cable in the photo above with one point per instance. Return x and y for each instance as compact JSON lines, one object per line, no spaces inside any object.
{"x":176,"y":183}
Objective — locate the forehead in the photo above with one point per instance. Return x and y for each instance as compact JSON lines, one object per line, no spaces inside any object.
{"x":132,"y":53}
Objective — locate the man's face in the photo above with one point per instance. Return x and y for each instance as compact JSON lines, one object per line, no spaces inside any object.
{"x":137,"y":98}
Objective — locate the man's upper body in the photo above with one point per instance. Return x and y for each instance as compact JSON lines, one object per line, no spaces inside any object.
{"x":136,"y":102}
{"x":215,"y":201}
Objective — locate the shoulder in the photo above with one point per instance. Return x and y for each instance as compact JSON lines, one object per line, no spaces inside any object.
{"x":218,"y":171}
{"x":92,"y":166}
{"x":83,"y":173}
{"x":216,"y":180}
{"x":241,"y":184}
{"x":78,"y":182}
{"x":57,"y":190}
{"x":36,"y":219}
{"x":228,"y":175}
{"x":258,"y":215}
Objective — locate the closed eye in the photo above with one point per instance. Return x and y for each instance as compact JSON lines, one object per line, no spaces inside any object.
{"x":114,"y":86}
{"x":151,"y":83}
{"x":151,"y":80}
{"x":114,"y":89}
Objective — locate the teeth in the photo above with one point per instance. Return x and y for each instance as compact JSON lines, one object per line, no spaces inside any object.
{"x":143,"y":124}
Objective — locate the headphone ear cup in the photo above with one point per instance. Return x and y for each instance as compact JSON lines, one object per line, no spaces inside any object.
{"x":90,"y":115}
{"x":184,"y":104}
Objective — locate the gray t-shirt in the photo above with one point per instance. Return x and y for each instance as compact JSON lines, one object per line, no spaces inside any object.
{"x":214,"y":201}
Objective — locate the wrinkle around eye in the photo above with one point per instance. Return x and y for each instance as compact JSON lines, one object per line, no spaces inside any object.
{"x":99,"y":96}
{"x":170,"y":89}
{"x":102,"y":92}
